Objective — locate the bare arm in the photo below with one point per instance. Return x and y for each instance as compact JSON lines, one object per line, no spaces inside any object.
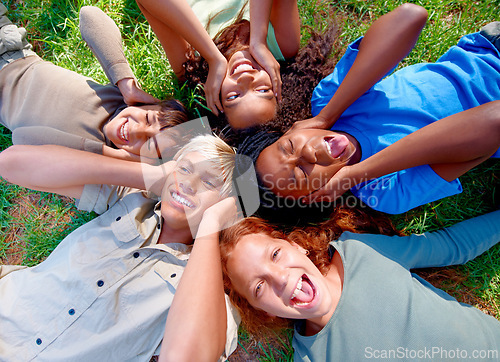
{"x":385,"y":44}
{"x":452,"y":146}
{"x":198,"y":312}
{"x":176,"y":25}
{"x":284,"y":16}
{"x":66,"y":171}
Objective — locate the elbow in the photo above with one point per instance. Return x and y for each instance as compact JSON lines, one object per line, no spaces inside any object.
{"x":88,"y":17}
{"x":414,"y":15}
{"x":8,"y":162}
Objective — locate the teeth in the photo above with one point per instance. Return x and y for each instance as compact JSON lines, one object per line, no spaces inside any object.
{"x":329,"y":147}
{"x":124,"y":131}
{"x":181,"y":200}
{"x":297,"y":289}
{"x":242,"y":68}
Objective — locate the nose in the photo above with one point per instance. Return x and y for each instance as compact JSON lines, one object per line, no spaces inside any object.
{"x":245,"y":78}
{"x":145,"y":131}
{"x":308,"y":154}
{"x":188,"y":184}
{"x":279,"y":278}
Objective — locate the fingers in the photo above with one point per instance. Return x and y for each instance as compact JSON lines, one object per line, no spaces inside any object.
{"x":276,"y":79}
{"x":210,"y":102}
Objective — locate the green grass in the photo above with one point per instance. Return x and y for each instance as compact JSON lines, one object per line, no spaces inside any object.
{"x":43,"y":220}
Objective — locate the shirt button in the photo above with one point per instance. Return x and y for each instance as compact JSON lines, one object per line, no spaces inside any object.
{"x":173,"y":275}
{"x":71,"y":311}
{"x":38,"y":341}
{"x":158,"y":226}
{"x":100,"y":283}
{"x":136,"y":254}
{"x":118,"y":218}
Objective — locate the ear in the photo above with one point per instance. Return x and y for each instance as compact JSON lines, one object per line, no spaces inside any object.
{"x":299,"y":248}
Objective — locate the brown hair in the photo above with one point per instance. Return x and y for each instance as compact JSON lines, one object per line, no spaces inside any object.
{"x":172,"y":113}
{"x":315,"y":239}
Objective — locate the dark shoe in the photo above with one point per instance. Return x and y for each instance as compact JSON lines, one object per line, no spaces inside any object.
{"x":491,"y":32}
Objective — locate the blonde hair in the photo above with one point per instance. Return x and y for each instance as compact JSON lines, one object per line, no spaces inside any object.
{"x":217,"y":152}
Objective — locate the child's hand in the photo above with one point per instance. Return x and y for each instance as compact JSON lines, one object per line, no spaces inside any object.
{"x":155,"y":176}
{"x":219,"y":216}
{"x":266,"y":60}
{"x":216,"y":74}
{"x":133,"y":94}
{"x":314,"y":122}
{"x":333,"y":189}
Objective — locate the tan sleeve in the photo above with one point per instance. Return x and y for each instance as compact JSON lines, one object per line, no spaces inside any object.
{"x":103,"y":37}
{"x":7,"y":269}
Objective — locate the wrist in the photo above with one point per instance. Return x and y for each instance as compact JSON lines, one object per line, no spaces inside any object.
{"x":215,"y":57}
{"x":355,"y":174}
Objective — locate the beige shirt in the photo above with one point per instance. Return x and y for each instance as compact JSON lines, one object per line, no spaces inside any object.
{"x":103,"y":294}
{"x":42,"y":103}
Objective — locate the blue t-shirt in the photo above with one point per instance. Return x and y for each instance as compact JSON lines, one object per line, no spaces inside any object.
{"x":466,"y":76}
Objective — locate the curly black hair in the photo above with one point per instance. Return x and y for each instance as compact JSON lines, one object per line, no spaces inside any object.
{"x":299,"y":75}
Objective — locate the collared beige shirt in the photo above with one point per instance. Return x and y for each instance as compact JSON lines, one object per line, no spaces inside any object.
{"x":103,"y":294}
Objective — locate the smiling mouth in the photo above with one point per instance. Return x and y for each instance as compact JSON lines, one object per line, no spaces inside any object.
{"x":304,"y":292}
{"x":123,"y":133}
{"x":242,"y":66}
{"x":178,"y":198}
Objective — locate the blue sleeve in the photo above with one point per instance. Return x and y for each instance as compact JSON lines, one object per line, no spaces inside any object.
{"x":325,"y":90}
{"x":401,"y":191}
{"x":450,"y":246}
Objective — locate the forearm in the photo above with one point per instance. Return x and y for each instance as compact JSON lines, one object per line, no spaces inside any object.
{"x":459,"y":139}
{"x":176,"y":17}
{"x":53,"y":168}
{"x":385,"y":44}
{"x":103,"y":37}
{"x":198,"y":311}
{"x":260,"y":11}
{"x":459,"y":243}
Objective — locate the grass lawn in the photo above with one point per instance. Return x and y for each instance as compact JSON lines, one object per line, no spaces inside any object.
{"x":33,"y":223}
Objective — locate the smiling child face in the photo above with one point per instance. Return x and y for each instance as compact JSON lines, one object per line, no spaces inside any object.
{"x":247,"y":92}
{"x":192,"y":187}
{"x":277,"y":277}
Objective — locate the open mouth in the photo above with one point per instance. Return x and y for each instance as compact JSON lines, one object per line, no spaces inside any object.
{"x":242,"y":66}
{"x":336,"y":145}
{"x":181,"y":200}
{"x":304,"y":292}
{"x":123,"y":133}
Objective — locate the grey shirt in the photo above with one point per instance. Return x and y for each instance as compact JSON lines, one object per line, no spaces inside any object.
{"x":42,"y":103}
{"x":388,"y":313}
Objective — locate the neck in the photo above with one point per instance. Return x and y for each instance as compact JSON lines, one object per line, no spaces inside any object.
{"x":171,"y":235}
{"x":335,"y":282}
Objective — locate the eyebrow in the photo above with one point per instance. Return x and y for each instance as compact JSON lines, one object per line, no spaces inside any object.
{"x":208,"y":173}
{"x":189,"y":163}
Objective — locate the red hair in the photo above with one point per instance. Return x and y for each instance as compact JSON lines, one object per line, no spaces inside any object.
{"x":315,"y":239}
